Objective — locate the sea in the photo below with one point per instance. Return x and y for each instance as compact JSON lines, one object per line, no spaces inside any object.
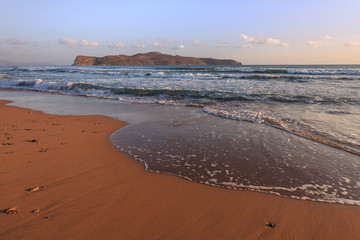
{"x":288,"y":130}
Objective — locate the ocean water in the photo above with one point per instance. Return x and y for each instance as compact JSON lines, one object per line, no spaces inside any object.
{"x":286,"y":130}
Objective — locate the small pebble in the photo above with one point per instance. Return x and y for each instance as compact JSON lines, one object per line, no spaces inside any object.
{"x":43,"y":150}
{"x":270,"y":224}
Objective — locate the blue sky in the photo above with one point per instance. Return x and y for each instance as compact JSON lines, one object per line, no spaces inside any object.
{"x":253,"y":32}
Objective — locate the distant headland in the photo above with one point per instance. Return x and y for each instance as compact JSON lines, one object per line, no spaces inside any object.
{"x":151,"y":58}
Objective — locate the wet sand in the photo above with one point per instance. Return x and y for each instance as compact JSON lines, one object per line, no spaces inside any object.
{"x":60,"y":178}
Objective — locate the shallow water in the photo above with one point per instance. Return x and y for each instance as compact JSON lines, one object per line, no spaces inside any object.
{"x":189,"y":143}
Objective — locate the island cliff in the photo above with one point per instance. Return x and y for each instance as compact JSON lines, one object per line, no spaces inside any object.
{"x":151,"y":58}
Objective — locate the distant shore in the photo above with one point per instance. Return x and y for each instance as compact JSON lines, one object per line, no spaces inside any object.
{"x":150,"y":58}
{"x":61,"y":179}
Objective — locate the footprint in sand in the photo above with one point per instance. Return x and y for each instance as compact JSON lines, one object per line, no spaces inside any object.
{"x":7,"y":136}
{"x":6,"y":144}
{"x":12,"y":210}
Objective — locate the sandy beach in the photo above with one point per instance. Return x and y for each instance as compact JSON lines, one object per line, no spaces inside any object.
{"x":60,"y":178}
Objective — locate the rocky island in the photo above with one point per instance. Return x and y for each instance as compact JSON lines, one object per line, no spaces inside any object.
{"x":151,"y":58}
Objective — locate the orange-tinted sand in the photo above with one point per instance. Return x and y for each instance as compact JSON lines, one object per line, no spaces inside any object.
{"x":80,"y":187}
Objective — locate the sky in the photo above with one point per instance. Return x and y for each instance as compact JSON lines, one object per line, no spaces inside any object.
{"x":249,"y":31}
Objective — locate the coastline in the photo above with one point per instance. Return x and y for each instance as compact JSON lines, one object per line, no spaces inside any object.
{"x":88,"y":189}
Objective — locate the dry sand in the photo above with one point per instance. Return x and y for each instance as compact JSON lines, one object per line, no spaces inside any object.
{"x":65,"y":181}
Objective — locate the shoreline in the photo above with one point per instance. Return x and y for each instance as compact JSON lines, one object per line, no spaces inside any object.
{"x":86,"y":189}
{"x":153,"y":128}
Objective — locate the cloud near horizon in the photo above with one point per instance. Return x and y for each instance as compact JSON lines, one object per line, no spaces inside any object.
{"x":140,"y":45}
{"x":318,"y":43}
{"x":68,"y":41}
{"x":160,"y":45}
{"x":180,"y":47}
{"x":261,"y":40}
{"x":116,"y":45}
{"x":352,"y":44}
{"x":198,"y":43}
{"x":15,"y":41}
{"x":88,"y":43}
{"x":163,"y":43}
{"x":72,"y":42}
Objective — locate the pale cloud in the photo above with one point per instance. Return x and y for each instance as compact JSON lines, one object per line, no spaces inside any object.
{"x":140,"y":45}
{"x":198,"y":43}
{"x":166,"y":40}
{"x":180,"y":47}
{"x":68,"y":41}
{"x":17,"y":43}
{"x":247,"y":39}
{"x":261,"y":40}
{"x":160,"y":45}
{"x":314,"y":44}
{"x":14,"y":41}
{"x":163,"y":43}
{"x":87,"y":43}
{"x":116,"y":45}
{"x":328,"y":37}
{"x":284,"y":44}
{"x":318,"y":43}
{"x":352,"y":44}
{"x":72,"y":42}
